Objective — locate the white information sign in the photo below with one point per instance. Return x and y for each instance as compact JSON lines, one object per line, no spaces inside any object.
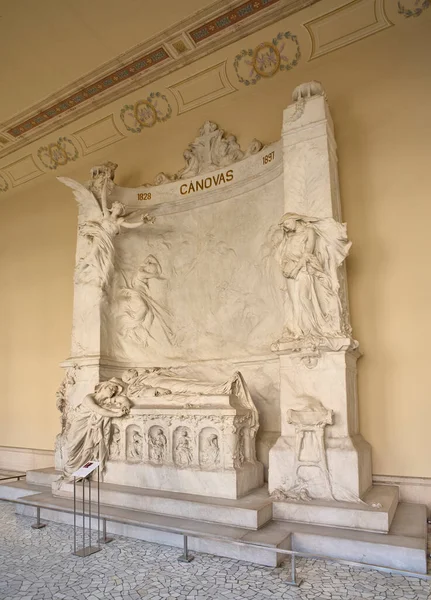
{"x":86,"y":469}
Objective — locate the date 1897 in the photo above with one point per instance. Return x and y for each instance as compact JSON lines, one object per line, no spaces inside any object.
{"x":268,"y":157}
{"x":144,"y":196}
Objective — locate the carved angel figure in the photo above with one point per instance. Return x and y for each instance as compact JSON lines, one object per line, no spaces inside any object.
{"x":100,"y":231}
{"x":141,"y":311}
{"x":310,"y":252}
{"x":89,"y":434}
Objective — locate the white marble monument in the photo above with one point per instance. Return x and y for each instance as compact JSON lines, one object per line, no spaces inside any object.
{"x":231,"y":270}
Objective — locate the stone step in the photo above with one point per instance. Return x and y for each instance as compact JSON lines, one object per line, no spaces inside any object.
{"x":42,"y":476}
{"x":204,"y":537}
{"x":364,"y":517}
{"x":12,"y":490}
{"x":251,"y":511}
{"x":403,"y":548}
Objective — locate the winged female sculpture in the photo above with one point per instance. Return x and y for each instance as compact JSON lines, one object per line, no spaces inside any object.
{"x":101,"y":230}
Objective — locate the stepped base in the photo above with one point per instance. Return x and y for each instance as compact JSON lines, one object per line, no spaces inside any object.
{"x":403,"y":548}
{"x":362,"y":517}
{"x":251,"y":512}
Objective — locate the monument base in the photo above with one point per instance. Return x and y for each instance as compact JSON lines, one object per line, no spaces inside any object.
{"x":252,"y":511}
{"x":227,"y":483}
{"x":403,"y":548}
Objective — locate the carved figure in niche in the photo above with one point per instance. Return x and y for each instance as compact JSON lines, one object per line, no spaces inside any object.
{"x":157,"y":445}
{"x":211,"y":149}
{"x":140,"y":310}
{"x":183,"y":449}
{"x":310,"y":252}
{"x":101,"y":231}
{"x":211,"y":453}
{"x":90,"y":426}
{"x":114,"y":448}
{"x":62,"y":393}
{"x":239,"y":456}
{"x":64,"y":407}
{"x":134,"y":446}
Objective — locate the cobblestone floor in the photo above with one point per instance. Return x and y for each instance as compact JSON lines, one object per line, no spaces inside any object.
{"x":38,"y":565}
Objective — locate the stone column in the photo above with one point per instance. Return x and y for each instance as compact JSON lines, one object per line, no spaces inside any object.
{"x":316,"y":350}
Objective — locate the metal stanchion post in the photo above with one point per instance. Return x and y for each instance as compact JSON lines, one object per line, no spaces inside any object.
{"x":293,"y":581}
{"x":83,"y":516}
{"x":105,"y":539}
{"x":74,"y":515}
{"x":98,"y":507}
{"x":89,"y":511}
{"x":38,"y":524}
{"x":185,"y":557}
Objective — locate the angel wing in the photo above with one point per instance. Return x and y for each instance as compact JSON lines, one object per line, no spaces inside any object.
{"x":86,"y":199}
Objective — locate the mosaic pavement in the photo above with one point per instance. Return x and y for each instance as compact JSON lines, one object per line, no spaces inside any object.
{"x":38,"y":565}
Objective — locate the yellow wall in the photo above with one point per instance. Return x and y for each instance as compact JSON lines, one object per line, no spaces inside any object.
{"x":379,"y":90}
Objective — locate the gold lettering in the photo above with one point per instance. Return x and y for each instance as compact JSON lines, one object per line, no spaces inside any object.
{"x":201,"y":184}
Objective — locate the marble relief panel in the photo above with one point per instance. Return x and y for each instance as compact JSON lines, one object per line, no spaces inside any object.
{"x":199,"y":284}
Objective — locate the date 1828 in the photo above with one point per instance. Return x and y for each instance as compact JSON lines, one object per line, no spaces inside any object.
{"x":144,"y":196}
{"x":268,"y":157}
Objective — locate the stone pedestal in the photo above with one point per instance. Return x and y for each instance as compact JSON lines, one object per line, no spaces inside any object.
{"x":313,"y":457}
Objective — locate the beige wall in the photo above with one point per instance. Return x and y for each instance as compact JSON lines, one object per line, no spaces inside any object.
{"x":378,"y":89}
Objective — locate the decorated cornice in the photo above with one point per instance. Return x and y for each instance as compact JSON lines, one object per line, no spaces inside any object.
{"x":248,"y":65}
{"x":206,"y":31}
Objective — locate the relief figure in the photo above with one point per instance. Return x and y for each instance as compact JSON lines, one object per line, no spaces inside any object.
{"x":114,"y":448}
{"x":239,"y":456}
{"x":210,"y":456}
{"x":134,"y":445}
{"x":183,"y":449}
{"x":157,"y":445}
{"x":310,"y":252}
{"x":140,"y":312}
